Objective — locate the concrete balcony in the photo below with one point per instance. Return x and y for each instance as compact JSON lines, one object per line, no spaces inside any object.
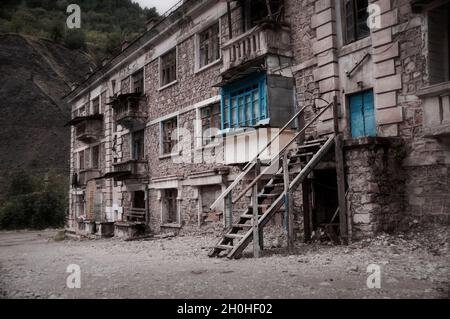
{"x":436,"y":110}
{"x":88,"y":129}
{"x":86,"y":175}
{"x":133,"y":169}
{"x":130,"y":110}
{"x":255,"y":44}
{"x":242,"y":147}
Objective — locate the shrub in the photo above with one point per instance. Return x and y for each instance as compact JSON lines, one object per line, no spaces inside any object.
{"x":34,"y":202}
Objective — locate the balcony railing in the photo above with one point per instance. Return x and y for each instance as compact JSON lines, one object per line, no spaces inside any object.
{"x":133,"y":169}
{"x":436,"y":110}
{"x":130,"y":110}
{"x":256,"y":43}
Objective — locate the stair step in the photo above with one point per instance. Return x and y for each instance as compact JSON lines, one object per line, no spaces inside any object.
{"x":300,"y":155}
{"x":274,"y":185}
{"x":242,"y":226}
{"x":269,"y":195}
{"x":224,"y":247}
{"x":305,"y":146}
{"x":319,"y":140}
{"x":233,"y":236}
{"x":248,"y":216}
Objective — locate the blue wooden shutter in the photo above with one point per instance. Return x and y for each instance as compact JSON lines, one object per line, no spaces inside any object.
{"x":362,"y":114}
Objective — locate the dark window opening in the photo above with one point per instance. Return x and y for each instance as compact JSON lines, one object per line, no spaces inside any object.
{"x":439,"y":44}
{"x":170,"y":206}
{"x":356,"y":16}
{"x":81,"y":160}
{"x":211,"y":119}
{"x":138,"y":145}
{"x":168,"y":67}
{"x":209,"y":45}
{"x":138,"y":81}
{"x":169,"y":135}
{"x":96,"y":106}
{"x":96,"y":157}
{"x":256,"y":11}
{"x":139,"y":200}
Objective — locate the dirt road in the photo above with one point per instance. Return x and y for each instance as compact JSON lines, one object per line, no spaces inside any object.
{"x":32,"y":265}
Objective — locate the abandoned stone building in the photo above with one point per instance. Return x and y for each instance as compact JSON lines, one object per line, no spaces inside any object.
{"x":305,"y":113}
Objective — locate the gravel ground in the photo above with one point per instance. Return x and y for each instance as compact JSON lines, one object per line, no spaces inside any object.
{"x":33,"y":265}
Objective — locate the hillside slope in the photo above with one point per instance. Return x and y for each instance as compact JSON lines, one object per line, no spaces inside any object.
{"x":34,"y":75}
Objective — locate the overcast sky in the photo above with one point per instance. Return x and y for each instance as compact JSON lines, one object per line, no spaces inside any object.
{"x":161,"y":5}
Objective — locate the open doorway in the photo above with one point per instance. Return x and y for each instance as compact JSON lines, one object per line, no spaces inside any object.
{"x":325,"y":219}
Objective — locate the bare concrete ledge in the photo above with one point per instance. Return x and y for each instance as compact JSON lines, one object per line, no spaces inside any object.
{"x":434,"y":90}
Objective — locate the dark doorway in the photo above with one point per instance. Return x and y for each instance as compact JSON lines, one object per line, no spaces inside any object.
{"x":325,"y":200}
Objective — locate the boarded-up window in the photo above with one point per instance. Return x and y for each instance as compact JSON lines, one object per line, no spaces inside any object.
{"x":138,"y":81}
{"x":169,"y":135}
{"x":211,"y":120}
{"x":96,"y":157}
{"x":209,"y":45}
{"x":439,"y":44}
{"x":356,"y":16}
{"x":168,"y":67}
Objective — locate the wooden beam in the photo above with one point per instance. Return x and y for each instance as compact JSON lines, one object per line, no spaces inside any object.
{"x":306,"y":211}
{"x":340,"y":174}
{"x":255,"y":219}
{"x":287,"y":204}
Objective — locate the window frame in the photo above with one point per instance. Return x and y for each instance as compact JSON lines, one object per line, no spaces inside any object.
{"x":95,"y":106}
{"x":162,"y":84}
{"x":97,"y":166}
{"x":141,"y":80}
{"x":357,"y":34}
{"x":142,"y":144}
{"x":81,"y":162}
{"x":198,"y":65}
{"x":172,"y":141}
{"x":242,"y":86}
{"x":201,"y":130}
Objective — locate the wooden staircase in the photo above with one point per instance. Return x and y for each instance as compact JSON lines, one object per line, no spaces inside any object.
{"x":272,"y":197}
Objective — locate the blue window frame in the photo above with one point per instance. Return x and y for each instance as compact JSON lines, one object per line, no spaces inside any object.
{"x":244,"y":104}
{"x":362,"y":114}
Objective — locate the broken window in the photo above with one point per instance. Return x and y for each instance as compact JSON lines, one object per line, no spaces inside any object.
{"x":209,"y":45}
{"x":244,"y":103}
{"x":256,"y":11}
{"x":439,"y":44}
{"x":138,"y":81}
{"x":138,"y":145}
{"x":170,"y":207}
{"x":168,"y":67}
{"x":96,"y":106}
{"x":96,"y":157}
{"x":356,"y":16}
{"x":81,"y":160}
{"x":169,"y":135}
{"x":211,"y":121}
